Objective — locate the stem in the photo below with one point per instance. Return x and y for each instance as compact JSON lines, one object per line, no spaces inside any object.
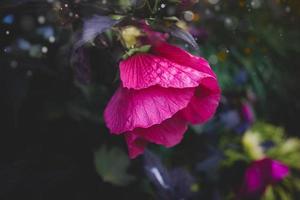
{"x":149,"y":6}
{"x":155,"y":6}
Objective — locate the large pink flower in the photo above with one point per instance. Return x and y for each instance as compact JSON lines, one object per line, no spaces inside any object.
{"x":161,"y":92}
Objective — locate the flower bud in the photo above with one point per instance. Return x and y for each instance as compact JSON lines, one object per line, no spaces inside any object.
{"x":130,"y":35}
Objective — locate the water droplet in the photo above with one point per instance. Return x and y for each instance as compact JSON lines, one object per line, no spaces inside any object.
{"x":51,"y":39}
{"x":217,"y":8}
{"x":7,"y":49}
{"x":228,"y":21}
{"x":188,"y":15}
{"x":255,"y":4}
{"x":231,"y":23}
{"x":44,"y":49}
{"x":213,"y":59}
{"x":41,"y":19}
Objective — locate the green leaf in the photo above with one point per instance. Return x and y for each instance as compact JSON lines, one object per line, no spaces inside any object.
{"x":112,"y":164}
{"x":269,"y":194}
{"x":284,"y":195}
{"x":142,"y":49}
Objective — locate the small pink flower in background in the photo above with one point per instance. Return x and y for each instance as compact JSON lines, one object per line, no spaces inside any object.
{"x":247,"y":112}
{"x":261,"y":174}
{"x":161,"y":92}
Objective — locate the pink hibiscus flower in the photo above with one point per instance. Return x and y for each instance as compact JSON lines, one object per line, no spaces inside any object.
{"x":259,"y":175}
{"x":160,"y":93}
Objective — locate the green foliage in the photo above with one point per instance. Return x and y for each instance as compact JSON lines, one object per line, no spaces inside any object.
{"x":284,"y":149}
{"x":252,"y":148}
{"x":269,"y":132}
{"x":142,"y":49}
{"x":112,"y":165}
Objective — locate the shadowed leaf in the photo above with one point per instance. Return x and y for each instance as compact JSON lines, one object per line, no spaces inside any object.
{"x":112,"y":165}
{"x":94,"y":26}
{"x":179,"y":33}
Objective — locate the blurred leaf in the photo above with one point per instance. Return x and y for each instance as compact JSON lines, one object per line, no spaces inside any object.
{"x":269,"y":132}
{"x":211,"y":163}
{"x":179,"y":33}
{"x":251,"y":142}
{"x":112,"y":165}
{"x":93,"y":27}
{"x":296,"y":182}
{"x":288,"y":152}
{"x":183,"y":183}
{"x":142,"y":49}
{"x":283,"y":194}
{"x":232,"y":156}
{"x":284,"y":149}
{"x":174,"y":184}
{"x":269,"y":194}
{"x":156,"y":172}
{"x":81,"y":65}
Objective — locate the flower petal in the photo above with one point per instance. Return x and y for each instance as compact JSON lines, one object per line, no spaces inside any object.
{"x":168,"y":133}
{"x":279,"y":171}
{"x":182,"y":57}
{"x":136,"y":144}
{"x":144,"y":70}
{"x":260,"y":174}
{"x":129,"y":109}
{"x":254,"y":183}
{"x":204,"y":103}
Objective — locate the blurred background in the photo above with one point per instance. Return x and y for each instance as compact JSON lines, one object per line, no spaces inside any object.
{"x":54,"y":144}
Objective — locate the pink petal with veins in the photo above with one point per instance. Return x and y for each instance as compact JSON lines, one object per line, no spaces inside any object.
{"x":169,"y":133}
{"x":145,"y":70}
{"x":182,"y":57}
{"x":204,"y":103}
{"x":129,"y":109}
